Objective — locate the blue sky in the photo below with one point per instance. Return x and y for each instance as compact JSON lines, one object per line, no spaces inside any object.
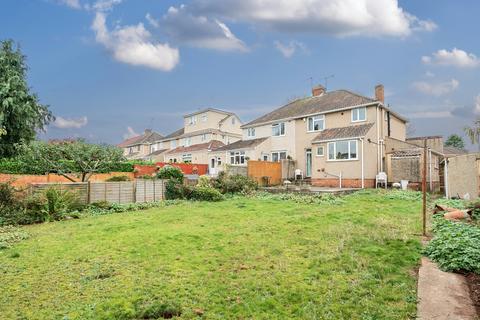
{"x":111,"y":68}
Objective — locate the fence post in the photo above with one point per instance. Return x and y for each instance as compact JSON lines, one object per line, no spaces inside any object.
{"x":88,"y":193}
{"x":120,"y":192}
{"x":134,"y":190}
{"x":105,"y":192}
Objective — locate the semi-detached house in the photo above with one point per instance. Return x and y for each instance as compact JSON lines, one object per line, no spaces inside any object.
{"x":328,"y":135}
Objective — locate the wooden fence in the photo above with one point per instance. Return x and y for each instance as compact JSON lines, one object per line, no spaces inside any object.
{"x":265,"y":172}
{"x":140,"y":190}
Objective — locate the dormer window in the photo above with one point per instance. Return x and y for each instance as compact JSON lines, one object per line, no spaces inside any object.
{"x":251,"y":132}
{"x":359,"y":114}
{"x":316,"y":123}
{"x":192,"y":120}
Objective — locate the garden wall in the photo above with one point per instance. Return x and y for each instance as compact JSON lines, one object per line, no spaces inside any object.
{"x":186,"y":168}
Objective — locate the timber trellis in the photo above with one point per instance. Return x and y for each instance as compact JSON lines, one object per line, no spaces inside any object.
{"x":140,"y":190}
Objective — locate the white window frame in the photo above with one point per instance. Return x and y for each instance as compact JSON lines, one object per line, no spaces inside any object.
{"x":187,"y":157}
{"x":237,"y":155}
{"x":317,"y":151}
{"x":251,"y":132}
{"x":187,"y":142}
{"x":314,"y":119}
{"x":192,"y":120}
{"x":204,"y":117}
{"x":280,"y":126}
{"x":349,"y":150}
{"x":278,"y":155}
{"x":173,"y":144}
{"x":356,"y":111}
{"x":204,"y":137}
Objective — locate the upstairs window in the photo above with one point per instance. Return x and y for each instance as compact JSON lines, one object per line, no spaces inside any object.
{"x":343,"y":150}
{"x":278,"y":129}
{"x":173,"y":144}
{"x":204,"y":117}
{"x":251,"y":132}
{"x":192,"y":120}
{"x":316,"y":123}
{"x":359,"y":114}
{"x":233,"y":120}
{"x":187,"y":142}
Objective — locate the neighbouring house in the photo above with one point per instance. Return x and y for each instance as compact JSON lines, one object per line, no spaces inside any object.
{"x":140,"y":147}
{"x":330,"y":135}
{"x":203,"y":132}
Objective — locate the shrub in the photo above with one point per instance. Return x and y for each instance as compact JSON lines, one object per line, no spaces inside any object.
{"x":11,"y":208}
{"x":202,"y":193}
{"x":234,"y":184}
{"x":175,"y":189}
{"x":169,"y":172}
{"x":57,"y":203}
{"x":204,"y":181}
{"x":455,"y":246}
{"x":118,"y":179}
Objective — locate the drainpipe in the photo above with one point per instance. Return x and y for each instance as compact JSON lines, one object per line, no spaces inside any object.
{"x":363,"y":167}
{"x":378,"y":138}
{"x":445,"y":178}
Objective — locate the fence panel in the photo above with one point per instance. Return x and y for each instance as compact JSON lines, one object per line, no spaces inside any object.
{"x":114,"y":192}
{"x":79,"y":188}
{"x":263,"y":171}
{"x":149,"y":190}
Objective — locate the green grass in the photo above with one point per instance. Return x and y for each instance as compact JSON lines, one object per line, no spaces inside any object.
{"x":240,"y":259}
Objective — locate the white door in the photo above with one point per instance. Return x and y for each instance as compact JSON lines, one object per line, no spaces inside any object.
{"x":212,"y":169}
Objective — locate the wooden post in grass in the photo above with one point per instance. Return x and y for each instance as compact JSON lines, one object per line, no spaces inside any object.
{"x":424,"y":188}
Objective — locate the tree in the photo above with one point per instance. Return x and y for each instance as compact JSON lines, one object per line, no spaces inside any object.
{"x":456,"y":141}
{"x":69,"y":157}
{"x":21,"y":114}
{"x":474,"y":132}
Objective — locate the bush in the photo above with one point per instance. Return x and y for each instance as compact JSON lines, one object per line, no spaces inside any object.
{"x":169,"y":172}
{"x":57,"y":203}
{"x":202,"y":193}
{"x":455,"y":246}
{"x":118,"y":179}
{"x":11,"y":207}
{"x":175,"y":189}
{"x":204,"y":181}
{"x":234,"y":184}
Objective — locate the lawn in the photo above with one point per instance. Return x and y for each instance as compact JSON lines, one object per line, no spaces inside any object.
{"x":241,"y":258}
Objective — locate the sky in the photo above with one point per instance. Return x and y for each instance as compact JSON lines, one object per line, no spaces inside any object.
{"x":109,"y":69}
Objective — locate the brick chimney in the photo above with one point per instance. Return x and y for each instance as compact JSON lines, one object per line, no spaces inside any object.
{"x":318,"y":90}
{"x":380,"y":93}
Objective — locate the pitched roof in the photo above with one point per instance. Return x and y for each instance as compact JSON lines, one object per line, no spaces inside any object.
{"x":148,"y":137}
{"x":156,"y":153}
{"x":212,"y":145}
{"x":449,"y":150}
{"x":242,"y":144}
{"x":329,"y":101}
{"x":355,"y":131}
{"x":174,"y":134}
{"x":208,"y":109}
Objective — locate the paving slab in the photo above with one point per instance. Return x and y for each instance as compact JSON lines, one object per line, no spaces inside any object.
{"x":443,"y":295}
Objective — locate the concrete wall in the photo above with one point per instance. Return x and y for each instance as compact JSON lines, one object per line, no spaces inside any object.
{"x":463,"y":176}
{"x":434,"y":143}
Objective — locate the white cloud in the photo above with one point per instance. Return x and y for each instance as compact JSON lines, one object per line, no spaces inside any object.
{"x":130,"y":133}
{"x":476,"y":109}
{"x":429,"y":115}
{"x":71,"y":3}
{"x":436,"y":89}
{"x":152,"y":21}
{"x":133,"y":45}
{"x":70,"y":123}
{"x":105,"y":5}
{"x":199,"y":31}
{"x":456,"y":58}
{"x":289,"y":49}
{"x":334,"y":17}
{"x":429,"y":74}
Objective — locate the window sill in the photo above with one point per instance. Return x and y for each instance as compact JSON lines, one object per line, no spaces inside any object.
{"x":342,"y":160}
{"x":355,"y":121}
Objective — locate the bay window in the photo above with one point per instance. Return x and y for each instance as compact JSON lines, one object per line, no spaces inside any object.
{"x":343,"y":150}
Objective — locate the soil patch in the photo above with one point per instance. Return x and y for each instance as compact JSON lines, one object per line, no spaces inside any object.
{"x":473,"y":281}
